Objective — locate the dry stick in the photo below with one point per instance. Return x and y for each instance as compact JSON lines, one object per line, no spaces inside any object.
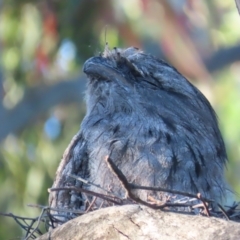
{"x":87,"y":201}
{"x":91,"y":204}
{"x":103,"y":196}
{"x":26,"y":227}
{"x":159,"y":189}
{"x":15,"y":216}
{"x":223,"y":211}
{"x":29,"y":229}
{"x":233,"y":212}
{"x":89,"y":183}
{"x":51,"y":220}
{"x":55,"y":217}
{"x":55,"y":209}
{"x":234,"y":215}
{"x":52,"y":217}
{"x":125,"y":183}
{"x":232,"y":208}
{"x":204,"y":204}
{"x":127,"y":186}
{"x":38,"y":222}
{"x":101,"y":205}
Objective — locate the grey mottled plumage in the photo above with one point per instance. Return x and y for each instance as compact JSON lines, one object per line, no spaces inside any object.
{"x":155,"y":125}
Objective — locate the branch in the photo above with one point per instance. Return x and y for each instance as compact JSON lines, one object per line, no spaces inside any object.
{"x":38,"y":100}
{"x":129,"y":186}
{"x":222,"y":58}
{"x":238,"y":5}
{"x":216,"y":61}
{"x":109,"y":198}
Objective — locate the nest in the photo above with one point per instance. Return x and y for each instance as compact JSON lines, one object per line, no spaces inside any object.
{"x":188,"y":204}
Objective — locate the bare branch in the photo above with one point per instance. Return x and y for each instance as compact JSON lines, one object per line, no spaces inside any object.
{"x":133,"y":186}
{"x":102,"y":196}
{"x":36,"y":229}
{"x":222,"y":58}
{"x":55,"y":209}
{"x":128,"y":186}
{"x":88,"y":183}
{"x":238,"y":5}
{"x":38,"y":100}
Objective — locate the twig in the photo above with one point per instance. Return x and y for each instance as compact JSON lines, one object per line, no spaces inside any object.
{"x":128,"y":186}
{"x":15,"y":216}
{"x":204,"y":204}
{"x":50,"y":219}
{"x":38,"y":222}
{"x":103,"y":196}
{"x":56,"y":209}
{"x":159,"y":189}
{"x":91,"y":204}
{"x":89,"y":183}
{"x":124,"y":182}
{"x":223,"y":211}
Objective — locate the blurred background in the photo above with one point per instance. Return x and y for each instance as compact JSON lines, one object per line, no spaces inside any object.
{"x":43,"y":45}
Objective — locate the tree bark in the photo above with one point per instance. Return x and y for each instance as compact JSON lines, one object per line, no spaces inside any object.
{"x":139,"y":222}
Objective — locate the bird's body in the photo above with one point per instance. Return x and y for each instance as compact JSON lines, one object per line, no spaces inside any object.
{"x":158,"y":129}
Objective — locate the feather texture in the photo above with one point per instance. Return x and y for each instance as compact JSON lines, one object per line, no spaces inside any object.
{"x":158,"y":128}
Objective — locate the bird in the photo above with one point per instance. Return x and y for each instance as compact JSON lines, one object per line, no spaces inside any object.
{"x":157,"y":128}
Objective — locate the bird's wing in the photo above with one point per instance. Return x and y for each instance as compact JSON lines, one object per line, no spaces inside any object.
{"x":75,"y":162}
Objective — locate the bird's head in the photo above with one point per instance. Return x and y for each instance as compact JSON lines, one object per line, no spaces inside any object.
{"x":127,"y":76}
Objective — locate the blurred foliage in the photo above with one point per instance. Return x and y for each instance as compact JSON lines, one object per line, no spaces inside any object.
{"x":44,"y":42}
